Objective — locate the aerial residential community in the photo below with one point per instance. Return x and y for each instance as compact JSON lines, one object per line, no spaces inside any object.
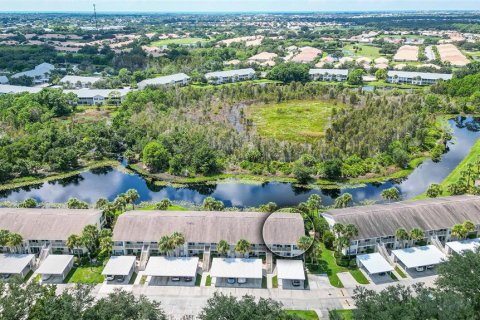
{"x":208,"y":161}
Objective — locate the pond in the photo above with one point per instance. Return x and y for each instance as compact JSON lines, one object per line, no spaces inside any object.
{"x":109,"y":182}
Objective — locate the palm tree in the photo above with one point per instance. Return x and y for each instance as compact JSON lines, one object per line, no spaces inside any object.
{"x":391,"y":194}
{"x":304,"y":243}
{"x":314,"y":203}
{"x":178,"y":240}
{"x":315,"y":252}
{"x":14,"y":240}
{"x":165,"y":245}
{"x":417,"y":234}
{"x":341,"y":243}
{"x":243,"y":247}
{"x":4,"y":237}
{"x":106,"y":246}
{"x":132,"y":196}
{"x":74,"y":242}
{"x":338,"y":229}
{"x":402,"y":235}
{"x":110,"y":210}
{"x":120,"y":202}
{"x":351,"y":231}
{"x":223,"y":248}
{"x":163,"y":205}
{"x":343,"y":201}
{"x":459,"y":231}
{"x":469,"y":226}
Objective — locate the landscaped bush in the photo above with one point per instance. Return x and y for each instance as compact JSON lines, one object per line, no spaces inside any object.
{"x":328,"y":239}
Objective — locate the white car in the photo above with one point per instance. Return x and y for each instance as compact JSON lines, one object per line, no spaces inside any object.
{"x":420,"y":269}
{"x":231,"y":280}
{"x":110,"y":277}
{"x":175,"y":279}
{"x":241,"y":280}
{"x":430,"y":266}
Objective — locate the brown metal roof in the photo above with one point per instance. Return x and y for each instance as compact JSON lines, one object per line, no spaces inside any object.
{"x":196,"y":226}
{"x":429,"y":214}
{"x":283,"y":228}
{"x":47,"y":224}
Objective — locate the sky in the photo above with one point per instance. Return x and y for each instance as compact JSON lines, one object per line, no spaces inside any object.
{"x":234,"y":5}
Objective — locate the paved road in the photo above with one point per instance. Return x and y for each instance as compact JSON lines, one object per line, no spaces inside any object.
{"x":186,"y":302}
{"x":179,"y":302}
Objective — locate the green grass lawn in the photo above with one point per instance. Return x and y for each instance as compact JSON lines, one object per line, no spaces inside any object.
{"x":393,"y":276}
{"x":293,"y":120}
{"x":28,"y":276}
{"x":198,"y":279}
{"x":366,"y":50}
{"x":173,"y":207}
{"x":165,"y":42}
{"x":359,"y":276}
{"x":303,"y":314}
{"x":275,"y":282}
{"x":343,"y":314}
{"x":143,"y":279}
{"x":328,"y":266}
{"x":208,"y":282}
{"x":453,"y":177}
{"x":133,"y":278}
{"x":86,"y":274}
{"x":400,"y":272}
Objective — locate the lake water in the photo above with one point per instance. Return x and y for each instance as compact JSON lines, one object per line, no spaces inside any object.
{"x":109,"y":182}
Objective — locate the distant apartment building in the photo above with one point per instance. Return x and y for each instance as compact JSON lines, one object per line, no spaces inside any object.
{"x":99,"y":97}
{"x":377,"y":224}
{"x":40,"y":74}
{"x":138,"y":231}
{"x":179,"y":79}
{"x":416,"y":78}
{"x":328,"y":74}
{"x":43,"y":228}
{"x":263,"y":58}
{"x":10,"y":89}
{"x":78,"y":82}
{"x":220,"y":77}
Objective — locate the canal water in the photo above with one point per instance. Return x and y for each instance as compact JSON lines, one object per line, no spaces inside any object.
{"x":109,"y":182}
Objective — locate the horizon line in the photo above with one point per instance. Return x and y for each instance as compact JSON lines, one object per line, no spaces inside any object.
{"x":240,"y":12}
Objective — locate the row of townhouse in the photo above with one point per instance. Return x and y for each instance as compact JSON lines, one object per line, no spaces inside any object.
{"x":42,"y":228}
{"x":95,"y":97}
{"x":328,"y":74}
{"x":220,"y":77}
{"x":139,"y":231}
{"x":178,"y":79}
{"x":377,"y":224}
{"x":40,"y":74}
{"x":416,"y":78}
{"x":396,"y":77}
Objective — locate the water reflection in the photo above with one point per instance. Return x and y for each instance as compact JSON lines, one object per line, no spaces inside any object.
{"x":109,"y":182}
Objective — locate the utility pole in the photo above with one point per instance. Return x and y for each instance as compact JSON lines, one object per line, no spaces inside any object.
{"x":95,"y":16}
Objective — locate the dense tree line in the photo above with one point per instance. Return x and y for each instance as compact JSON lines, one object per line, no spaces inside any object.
{"x":40,"y":302}
{"x":189,"y":130}
{"x":20,"y":58}
{"x":39,"y":137}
